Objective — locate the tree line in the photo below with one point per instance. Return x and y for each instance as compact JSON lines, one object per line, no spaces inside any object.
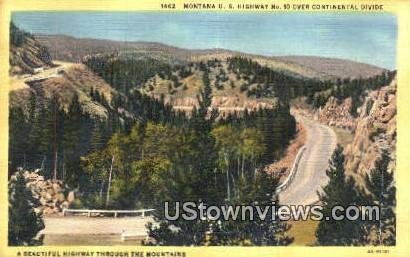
{"x":270,"y":83}
{"x":378,"y":190}
{"x":145,"y":153}
{"x":342,"y":190}
{"x":48,"y":135}
{"x":124,"y":72}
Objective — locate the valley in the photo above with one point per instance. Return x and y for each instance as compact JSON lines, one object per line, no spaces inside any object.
{"x":129,"y":125}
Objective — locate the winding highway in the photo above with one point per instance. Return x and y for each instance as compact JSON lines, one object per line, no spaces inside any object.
{"x":309,"y":178}
{"x":311,"y":172}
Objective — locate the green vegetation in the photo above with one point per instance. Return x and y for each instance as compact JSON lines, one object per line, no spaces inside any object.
{"x":124,"y":72}
{"x":382,"y":193}
{"x":258,"y":231}
{"x":251,"y":79}
{"x":17,"y":36}
{"x":24,"y":222}
{"x":343,"y":191}
{"x":339,"y":191}
{"x":271,"y":83}
{"x":26,"y":53}
{"x":44,"y":131}
{"x":146,"y":153}
{"x":262,"y":81}
{"x":355,"y":88}
{"x":212,"y":157}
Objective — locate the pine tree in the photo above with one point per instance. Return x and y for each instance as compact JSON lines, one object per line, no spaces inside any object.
{"x":259,"y":231}
{"x":340,"y":191}
{"x":73,"y":141}
{"x":268,"y":232}
{"x":18,"y":134}
{"x":192,"y":179}
{"x":36,"y":125}
{"x":24,"y":222}
{"x":382,"y":193}
{"x":97,"y":136}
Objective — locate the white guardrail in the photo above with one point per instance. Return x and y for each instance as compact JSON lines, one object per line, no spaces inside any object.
{"x":293,"y":171}
{"x":142,"y":212}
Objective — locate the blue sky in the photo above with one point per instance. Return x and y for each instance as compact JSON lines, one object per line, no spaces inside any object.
{"x":368,"y":38}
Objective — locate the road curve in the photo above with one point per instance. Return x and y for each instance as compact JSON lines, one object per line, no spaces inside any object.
{"x":311,"y":173}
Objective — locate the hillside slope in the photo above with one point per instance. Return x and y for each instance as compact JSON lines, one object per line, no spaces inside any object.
{"x":26,"y":53}
{"x":72,"y":49}
{"x":332,"y":67}
{"x":77,"y":81}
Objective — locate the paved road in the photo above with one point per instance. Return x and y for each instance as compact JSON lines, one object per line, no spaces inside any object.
{"x":311,"y":175}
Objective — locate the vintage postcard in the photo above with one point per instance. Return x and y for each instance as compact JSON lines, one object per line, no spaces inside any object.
{"x":216,"y":128}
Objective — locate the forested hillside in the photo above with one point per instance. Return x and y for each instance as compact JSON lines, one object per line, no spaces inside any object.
{"x":154,"y":154}
{"x":110,"y":128}
{"x":26,"y":53}
{"x":75,"y":131}
{"x":236,"y":80}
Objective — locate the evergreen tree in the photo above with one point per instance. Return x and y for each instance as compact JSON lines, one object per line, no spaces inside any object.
{"x":340,"y":191}
{"x":24,"y":222}
{"x":260,"y":231}
{"x":97,"y":139}
{"x":382,"y":193}
{"x":34,"y":138}
{"x":268,"y":232}
{"x":205,"y":160}
{"x":192,"y":180}
{"x":71,"y":137}
{"x":19,"y":130}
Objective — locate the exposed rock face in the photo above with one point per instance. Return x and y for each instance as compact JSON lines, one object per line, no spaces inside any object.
{"x":54,"y":196}
{"x":337,"y":113}
{"x":375,"y":130}
{"x":221,"y":102}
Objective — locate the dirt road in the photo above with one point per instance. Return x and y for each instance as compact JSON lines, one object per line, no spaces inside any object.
{"x":20,"y":82}
{"x":310,"y":175}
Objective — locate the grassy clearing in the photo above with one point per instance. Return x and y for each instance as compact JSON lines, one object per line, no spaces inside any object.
{"x":303,"y":232}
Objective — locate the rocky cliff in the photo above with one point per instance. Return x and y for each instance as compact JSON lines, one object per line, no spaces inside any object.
{"x":336,"y":113}
{"x":374,"y":128}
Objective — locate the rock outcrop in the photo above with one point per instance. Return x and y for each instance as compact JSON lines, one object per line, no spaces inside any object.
{"x":375,"y":130}
{"x":53,"y":195}
{"x":336,"y":113}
